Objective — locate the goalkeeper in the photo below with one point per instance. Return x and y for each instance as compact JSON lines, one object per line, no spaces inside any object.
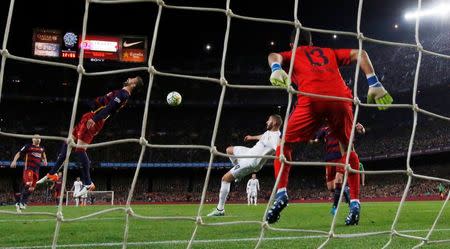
{"x":316,"y":71}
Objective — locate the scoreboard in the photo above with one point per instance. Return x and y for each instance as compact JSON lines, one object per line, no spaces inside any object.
{"x":46,"y":43}
{"x":98,"y":48}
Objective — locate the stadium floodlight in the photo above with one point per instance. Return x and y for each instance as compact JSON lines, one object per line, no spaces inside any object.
{"x":441,"y":10}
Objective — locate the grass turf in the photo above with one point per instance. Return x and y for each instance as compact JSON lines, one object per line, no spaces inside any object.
{"x":37,"y":230}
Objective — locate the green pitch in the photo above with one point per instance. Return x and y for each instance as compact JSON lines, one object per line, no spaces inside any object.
{"x":416,"y":218}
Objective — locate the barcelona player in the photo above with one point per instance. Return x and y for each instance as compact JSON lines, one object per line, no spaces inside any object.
{"x":57,"y":188}
{"x":34,"y":157}
{"x":334,"y":175}
{"x":316,"y":71}
{"x":90,"y":125}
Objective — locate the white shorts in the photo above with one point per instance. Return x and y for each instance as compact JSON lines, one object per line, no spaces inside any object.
{"x":252,"y":194}
{"x":75,"y":194}
{"x":246,"y":166}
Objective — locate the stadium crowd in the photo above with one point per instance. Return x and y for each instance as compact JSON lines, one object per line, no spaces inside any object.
{"x":169,"y":186}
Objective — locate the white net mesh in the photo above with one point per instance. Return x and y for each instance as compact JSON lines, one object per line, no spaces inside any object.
{"x":213,"y":152}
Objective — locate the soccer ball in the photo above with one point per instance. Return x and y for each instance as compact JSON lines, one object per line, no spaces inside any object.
{"x":174,"y":98}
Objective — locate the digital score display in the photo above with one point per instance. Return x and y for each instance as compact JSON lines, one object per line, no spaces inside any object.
{"x":101,"y":47}
{"x":46,"y":43}
{"x":97,"y":48}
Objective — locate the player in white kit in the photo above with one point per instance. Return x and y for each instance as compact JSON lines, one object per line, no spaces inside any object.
{"x":266,"y":145}
{"x":252,"y":190}
{"x":76,"y":189}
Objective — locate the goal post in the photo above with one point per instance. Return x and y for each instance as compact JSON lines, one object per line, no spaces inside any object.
{"x":96,"y":197}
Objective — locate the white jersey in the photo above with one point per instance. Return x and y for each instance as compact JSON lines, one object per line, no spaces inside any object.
{"x":266,"y":145}
{"x":268,"y":141}
{"x":252,"y":185}
{"x":77,"y":186}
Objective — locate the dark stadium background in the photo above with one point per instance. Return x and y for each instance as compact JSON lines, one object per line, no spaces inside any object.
{"x":38,"y":99}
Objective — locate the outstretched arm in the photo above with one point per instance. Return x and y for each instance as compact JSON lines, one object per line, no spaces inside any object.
{"x":366,"y":64}
{"x":44,"y":159}
{"x":14,"y":162}
{"x":278,"y":77}
{"x":252,"y":138}
{"x":275,"y":58}
{"x":376,"y":94}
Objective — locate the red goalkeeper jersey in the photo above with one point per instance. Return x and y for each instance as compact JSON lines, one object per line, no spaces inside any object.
{"x":316,"y":70}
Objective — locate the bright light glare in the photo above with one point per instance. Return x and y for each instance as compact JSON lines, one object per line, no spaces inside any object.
{"x":442,"y":10}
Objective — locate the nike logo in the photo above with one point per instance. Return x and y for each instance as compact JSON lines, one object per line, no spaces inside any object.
{"x":126,"y":44}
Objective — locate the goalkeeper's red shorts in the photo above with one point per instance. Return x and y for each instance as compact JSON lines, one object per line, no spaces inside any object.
{"x":330,"y":171}
{"x":30,"y":177}
{"x":84,"y":134}
{"x":308,"y":116}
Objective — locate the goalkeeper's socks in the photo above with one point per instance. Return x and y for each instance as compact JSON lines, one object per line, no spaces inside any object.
{"x":60,"y":160}
{"x":287,"y":167}
{"x":354,"y":178}
{"x":337,"y":194}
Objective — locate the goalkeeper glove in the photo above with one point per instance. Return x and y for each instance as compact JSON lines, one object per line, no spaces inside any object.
{"x":377,"y":94}
{"x":279,"y":77}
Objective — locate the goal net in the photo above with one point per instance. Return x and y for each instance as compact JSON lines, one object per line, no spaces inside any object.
{"x":295,"y":22}
{"x":92,"y":197}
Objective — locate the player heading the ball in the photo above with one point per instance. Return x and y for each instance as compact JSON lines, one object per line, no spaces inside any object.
{"x":90,"y":125}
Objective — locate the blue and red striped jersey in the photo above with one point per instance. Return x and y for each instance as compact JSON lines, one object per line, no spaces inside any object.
{"x":33,"y":156}
{"x":110,"y":103}
{"x":332,"y":149}
{"x":58,"y":184}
